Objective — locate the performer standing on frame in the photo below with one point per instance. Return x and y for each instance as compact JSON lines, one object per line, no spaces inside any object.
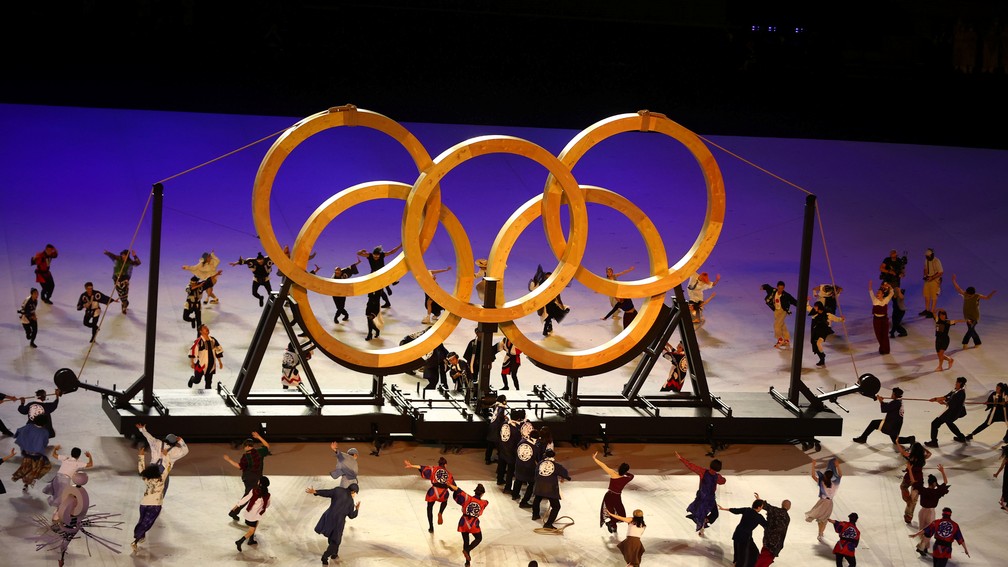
{"x":254,"y":503}
{"x":206,"y":355}
{"x":945,"y":531}
{"x":440,"y":480}
{"x":469,"y":524}
{"x":90,"y":302}
{"x":261,"y":267}
{"x":955,"y":408}
{"x":29,"y":317}
{"x":631,"y":547}
{"x":43,"y":262}
{"x":340,"y":300}
{"x":153,"y":497}
{"x":829,"y":483}
{"x":774,"y":531}
{"x":971,"y":311}
{"x":892,"y":423}
{"x":376,"y":259}
{"x":613,"y":499}
{"x":333,"y":520}
{"x":680,"y":367}
{"x":703,"y":510}
{"x":206,"y":269}
{"x":880,"y":314}
{"x":996,"y":411}
{"x":122,"y":271}
{"x":780,"y":302}
{"x":850,"y":535}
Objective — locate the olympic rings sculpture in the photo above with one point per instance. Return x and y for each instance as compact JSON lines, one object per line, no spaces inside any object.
{"x":424,"y":212}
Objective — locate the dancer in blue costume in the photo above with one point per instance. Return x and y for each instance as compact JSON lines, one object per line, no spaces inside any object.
{"x":703,"y":510}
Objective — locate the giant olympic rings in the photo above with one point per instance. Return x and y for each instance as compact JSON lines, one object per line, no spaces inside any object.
{"x":424,"y":211}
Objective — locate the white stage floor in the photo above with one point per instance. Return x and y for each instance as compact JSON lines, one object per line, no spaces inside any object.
{"x":80,"y":178}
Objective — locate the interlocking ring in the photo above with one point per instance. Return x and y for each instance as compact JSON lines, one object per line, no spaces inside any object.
{"x":424,"y":212}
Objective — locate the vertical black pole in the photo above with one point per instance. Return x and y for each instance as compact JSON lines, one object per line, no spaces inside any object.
{"x":485,"y":342}
{"x":152,"y":295}
{"x":803,"y":287}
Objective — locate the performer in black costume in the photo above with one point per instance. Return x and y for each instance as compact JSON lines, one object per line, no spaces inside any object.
{"x":555,"y":310}
{"x":955,"y":408}
{"x":90,"y":302}
{"x":377,"y":261}
{"x":340,"y":301}
{"x":892,"y":423}
{"x":29,"y":317}
{"x":996,"y":410}
{"x":261,"y":267}
{"x":547,"y":487}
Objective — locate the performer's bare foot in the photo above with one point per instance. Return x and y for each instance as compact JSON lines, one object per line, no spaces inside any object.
{"x":950,"y":363}
{"x":939,"y":369}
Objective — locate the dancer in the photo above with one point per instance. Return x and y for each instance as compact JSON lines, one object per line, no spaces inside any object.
{"x":90,"y":302}
{"x":932,"y":283}
{"x":971,"y":311}
{"x":613,"y":275}
{"x":527,"y":456}
{"x":435,"y":369}
{"x":774,"y":531}
{"x":261,"y":267}
{"x":1004,"y":480}
{"x":122,"y":271}
{"x":433,"y":309}
{"x":333,"y":520}
{"x":893,"y":268}
{"x":827,"y":293}
{"x":698,"y":283}
{"x":555,"y":310}
{"x":376,"y":259}
{"x":880,"y":314}
{"x":250,"y":465}
{"x":955,"y":408}
{"x":945,"y":531}
{"x":850,"y":535}
{"x":164,"y":452}
{"x":942,"y":326}
{"x":472,"y":355}
{"x":631,"y":547}
{"x":613,"y":499}
{"x":32,"y":439}
{"x":745,"y":550}
{"x":892,"y":423}
{"x":507,"y":448}
{"x":498,"y":413}
{"x":512,"y":360}
{"x":780,"y":302}
{"x":996,"y":411}
{"x":703,"y":510}
{"x":289,"y":375}
{"x":150,"y":504}
{"x":469,"y":524}
{"x":820,"y":329}
{"x":192,"y":313}
{"x":373,"y":312}
{"x":829,"y":483}
{"x":458,"y":371}
{"x":896,"y":327}
{"x":68,"y":466}
{"x":43,"y":262}
{"x":29,"y":319}
{"x":680,"y":367}
{"x":440,"y":480}
{"x":547,"y":487}
{"x":206,"y":269}
{"x":340,"y":300}
{"x":929,"y":497}
{"x":206,"y":355}
{"x":255,"y":503}
{"x":629,"y":311}
{"x":38,"y":407}
{"x":346,"y":465}
{"x":912,"y":481}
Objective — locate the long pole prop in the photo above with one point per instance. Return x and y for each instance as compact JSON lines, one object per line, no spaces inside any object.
{"x":803,"y":284}
{"x":152,"y":295}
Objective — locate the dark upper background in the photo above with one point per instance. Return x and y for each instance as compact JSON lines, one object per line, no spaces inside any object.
{"x":882,"y":70}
